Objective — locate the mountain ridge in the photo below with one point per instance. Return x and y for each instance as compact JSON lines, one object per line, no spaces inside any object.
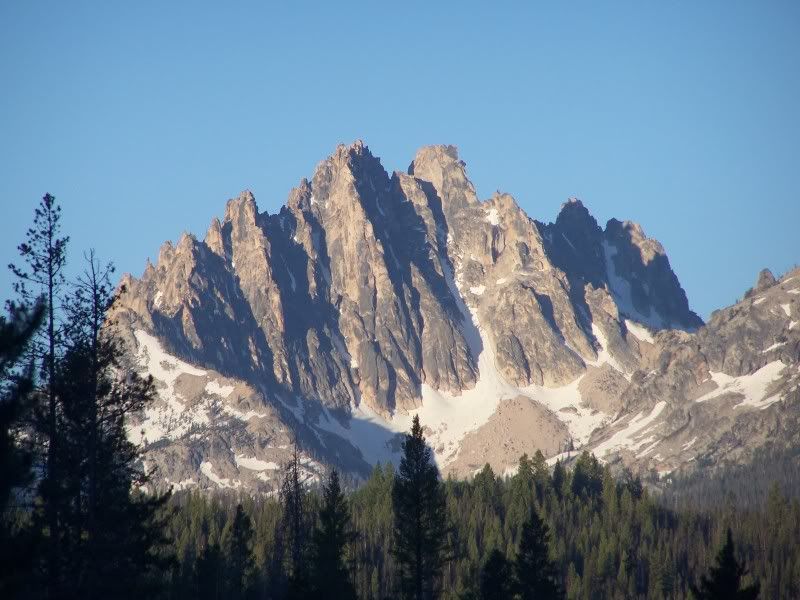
{"x":369,"y":296}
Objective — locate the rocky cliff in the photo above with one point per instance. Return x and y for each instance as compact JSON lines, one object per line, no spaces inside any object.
{"x":373,"y":296}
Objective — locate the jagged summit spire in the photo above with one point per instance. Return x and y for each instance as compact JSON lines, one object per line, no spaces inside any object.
{"x":243,"y":204}
{"x":442,"y":168}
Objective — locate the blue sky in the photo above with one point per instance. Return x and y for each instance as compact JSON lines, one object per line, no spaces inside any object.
{"x":143,"y":118}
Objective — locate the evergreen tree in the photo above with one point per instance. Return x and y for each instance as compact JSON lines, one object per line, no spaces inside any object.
{"x":587,"y":477}
{"x":44,"y":252}
{"x":208,"y":574}
{"x":537,"y":577}
{"x":330,"y":576}
{"x":16,"y":544}
{"x":559,"y":478}
{"x":294,"y":529}
{"x":496,"y":577}
{"x":239,"y":554}
{"x":725,"y":578}
{"x":114,"y":536}
{"x":420,"y":519}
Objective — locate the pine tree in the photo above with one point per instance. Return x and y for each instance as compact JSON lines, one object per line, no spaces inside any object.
{"x":537,"y":577}
{"x":587,"y":476}
{"x":16,"y":383}
{"x":239,"y":554}
{"x":330,"y":577}
{"x":725,"y":578}
{"x":559,"y":479}
{"x":496,"y":577}
{"x":208,"y":574}
{"x":294,"y":527}
{"x":420,"y":519}
{"x":45,"y":254}
{"x":114,"y":536}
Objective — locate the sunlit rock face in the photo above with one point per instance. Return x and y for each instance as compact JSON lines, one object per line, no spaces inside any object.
{"x":370,"y":297}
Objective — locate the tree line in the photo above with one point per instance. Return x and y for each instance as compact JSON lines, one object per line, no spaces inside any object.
{"x":75,"y":523}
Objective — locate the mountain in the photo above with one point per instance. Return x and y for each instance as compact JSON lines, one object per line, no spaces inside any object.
{"x":371,"y":297}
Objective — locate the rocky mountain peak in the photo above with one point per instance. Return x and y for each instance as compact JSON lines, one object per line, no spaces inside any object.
{"x":370,"y":297}
{"x":631,"y":233}
{"x":765,"y":279}
{"x":242,"y":209}
{"x":441,"y":167}
{"x":214,"y":239}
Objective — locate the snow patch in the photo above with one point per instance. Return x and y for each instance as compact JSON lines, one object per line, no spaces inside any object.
{"x":639,"y":332}
{"x":478,"y":290}
{"x":787,"y":309}
{"x":604,"y":356}
{"x":255,"y":464}
{"x":157,"y":299}
{"x":627,"y":437}
{"x":184,"y":484}
{"x":758,"y":301}
{"x":753,"y":387}
{"x":492,"y":217}
{"x":773,"y":347}
{"x":223,"y":391}
{"x":207,"y":469}
{"x":243,"y":415}
{"x":171,"y":418}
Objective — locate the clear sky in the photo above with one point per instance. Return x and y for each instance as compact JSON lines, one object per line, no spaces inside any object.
{"x":143,"y":118}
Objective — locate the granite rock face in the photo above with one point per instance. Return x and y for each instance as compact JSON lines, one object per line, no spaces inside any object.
{"x":715,"y":395}
{"x":372,"y":296}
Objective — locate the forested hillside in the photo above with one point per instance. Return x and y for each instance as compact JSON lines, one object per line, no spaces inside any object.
{"x":609,"y":538}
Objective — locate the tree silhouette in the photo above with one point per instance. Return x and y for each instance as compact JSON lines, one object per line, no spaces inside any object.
{"x":295,"y":526}
{"x":44,"y":252}
{"x":239,"y":550}
{"x":537,"y":576}
{"x":16,"y":545}
{"x":725,"y":577}
{"x":330,"y":577}
{"x":497,"y":577}
{"x":114,"y":536}
{"x":420,"y":519}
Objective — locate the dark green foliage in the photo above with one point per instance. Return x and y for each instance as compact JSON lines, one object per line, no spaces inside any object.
{"x":90,"y":535}
{"x":724,"y":581}
{"x":559,"y":479}
{"x":44,"y":254}
{"x":16,"y":384}
{"x":587,"y":476}
{"x":16,"y":542}
{"x":209,"y":580}
{"x":239,"y":553}
{"x":536,"y":575}
{"x":613,"y":546}
{"x":420,"y":519}
{"x":330,"y":577}
{"x":107,"y":531}
{"x":295,"y":529}
{"x":497,"y":578}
